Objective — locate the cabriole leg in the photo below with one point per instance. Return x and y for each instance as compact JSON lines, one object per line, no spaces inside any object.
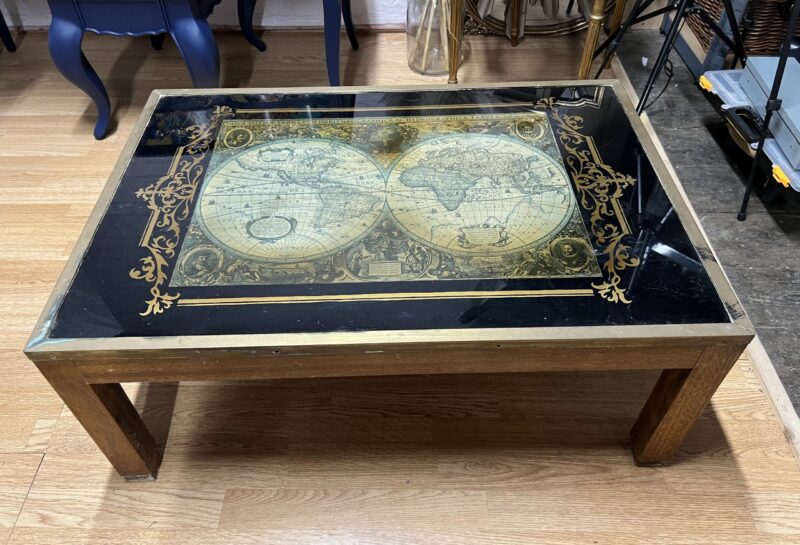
{"x":245,"y":10}
{"x":347,"y":15}
{"x":64,"y":40}
{"x":195,"y":41}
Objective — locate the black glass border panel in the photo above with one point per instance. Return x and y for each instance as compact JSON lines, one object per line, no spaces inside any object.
{"x":652,"y":273}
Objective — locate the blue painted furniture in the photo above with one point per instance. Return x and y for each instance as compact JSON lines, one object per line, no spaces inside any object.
{"x":5,"y":35}
{"x":333,"y":13}
{"x":184,"y":20}
{"x":245,"y":9}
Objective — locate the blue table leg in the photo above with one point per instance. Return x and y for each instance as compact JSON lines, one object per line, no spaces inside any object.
{"x":195,"y":41}
{"x":157,"y":41}
{"x":348,"y":24}
{"x":5,"y":36}
{"x":245,"y":9}
{"x":332,"y":16}
{"x":64,"y":41}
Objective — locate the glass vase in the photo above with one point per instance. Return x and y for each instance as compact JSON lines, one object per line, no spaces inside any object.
{"x":427,"y":45}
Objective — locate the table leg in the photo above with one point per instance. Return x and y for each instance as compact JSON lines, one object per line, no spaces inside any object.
{"x":110,"y":418}
{"x":5,"y":36}
{"x":616,"y":20}
{"x":516,"y":7}
{"x":592,"y":37}
{"x":245,"y":10}
{"x":195,"y":41}
{"x":678,"y":399}
{"x":157,"y":41}
{"x":64,"y":40}
{"x":455,"y":33}
{"x":347,"y":16}
{"x":332,"y":16}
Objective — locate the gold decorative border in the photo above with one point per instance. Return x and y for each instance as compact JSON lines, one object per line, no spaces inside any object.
{"x":600,"y":188}
{"x":169,"y":200}
{"x":405,"y":296}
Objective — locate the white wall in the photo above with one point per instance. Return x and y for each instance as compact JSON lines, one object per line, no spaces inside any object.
{"x":33,"y":14}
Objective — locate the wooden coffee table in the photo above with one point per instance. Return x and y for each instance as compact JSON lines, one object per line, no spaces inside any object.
{"x":266,"y":234}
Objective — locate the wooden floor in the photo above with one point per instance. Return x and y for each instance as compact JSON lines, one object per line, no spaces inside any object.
{"x":440,"y":460}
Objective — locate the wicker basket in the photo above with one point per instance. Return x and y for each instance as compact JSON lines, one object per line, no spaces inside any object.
{"x":764,"y":38}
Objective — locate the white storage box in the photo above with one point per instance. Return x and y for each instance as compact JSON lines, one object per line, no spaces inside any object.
{"x":756,"y":81}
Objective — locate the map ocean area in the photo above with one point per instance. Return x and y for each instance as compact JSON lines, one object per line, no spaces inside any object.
{"x":294,"y":201}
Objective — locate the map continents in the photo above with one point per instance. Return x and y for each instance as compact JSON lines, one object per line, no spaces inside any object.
{"x":292,"y":200}
{"x":384,"y":199}
{"x":474,"y":194}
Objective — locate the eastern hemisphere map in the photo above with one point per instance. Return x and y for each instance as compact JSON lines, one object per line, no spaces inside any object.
{"x":293,"y":201}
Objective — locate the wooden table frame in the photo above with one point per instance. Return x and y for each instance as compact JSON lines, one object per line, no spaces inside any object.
{"x":87,"y":373}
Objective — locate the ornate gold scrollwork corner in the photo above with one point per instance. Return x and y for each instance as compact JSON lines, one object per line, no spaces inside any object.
{"x":547,"y":103}
{"x":170,"y":202}
{"x":600,"y":189}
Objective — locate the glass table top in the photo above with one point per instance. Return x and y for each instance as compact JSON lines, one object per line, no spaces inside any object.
{"x":387,"y":210}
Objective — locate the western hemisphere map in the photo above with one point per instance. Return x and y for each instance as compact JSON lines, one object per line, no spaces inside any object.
{"x":327,"y":200}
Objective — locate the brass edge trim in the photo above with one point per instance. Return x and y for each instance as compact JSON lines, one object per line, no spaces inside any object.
{"x":409,"y":296}
{"x":565,"y":337}
{"x":43,"y":325}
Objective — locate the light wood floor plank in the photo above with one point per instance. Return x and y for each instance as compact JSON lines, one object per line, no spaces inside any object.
{"x":551,"y":469}
{"x":184,"y":536}
{"x":618,"y":508}
{"x":16,"y":476}
{"x":385,"y":466}
{"x":297,"y":508}
{"x":70,"y":536}
{"x":776,"y":512}
{"x":16,"y":431}
{"x":128,"y":506}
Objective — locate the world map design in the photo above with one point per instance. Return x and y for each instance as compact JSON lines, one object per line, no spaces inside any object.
{"x":292,"y":200}
{"x":479,"y":194}
{"x":384,"y":199}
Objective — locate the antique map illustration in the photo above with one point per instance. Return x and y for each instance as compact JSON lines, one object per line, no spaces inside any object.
{"x":293,"y":201}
